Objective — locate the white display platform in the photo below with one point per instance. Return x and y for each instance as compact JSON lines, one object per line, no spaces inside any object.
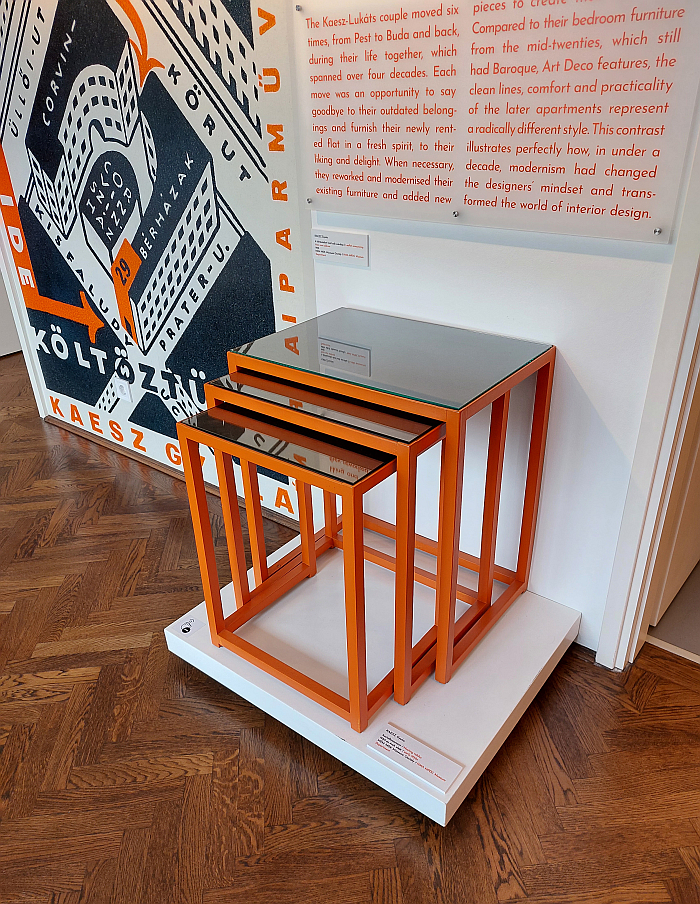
{"x":467,"y":720}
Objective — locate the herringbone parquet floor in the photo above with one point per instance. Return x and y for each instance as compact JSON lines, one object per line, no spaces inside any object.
{"x":128,"y":778}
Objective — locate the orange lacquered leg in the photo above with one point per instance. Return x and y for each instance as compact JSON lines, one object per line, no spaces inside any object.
{"x":330,"y":513}
{"x":306,"y":527}
{"x":232,"y":522}
{"x":492,"y":496}
{"x":451,"y":474}
{"x":405,"y":561}
{"x":256,"y":530}
{"x":354,"y":567}
{"x":540,"y":418}
{"x":202,"y":533}
{"x":518,"y":584}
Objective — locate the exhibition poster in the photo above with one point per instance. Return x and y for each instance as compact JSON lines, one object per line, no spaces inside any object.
{"x":148,"y":189}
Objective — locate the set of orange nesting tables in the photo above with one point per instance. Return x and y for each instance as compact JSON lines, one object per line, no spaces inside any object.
{"x":341,"y":402}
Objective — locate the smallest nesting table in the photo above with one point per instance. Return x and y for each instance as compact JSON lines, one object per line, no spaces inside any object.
{"x":337,"y":468}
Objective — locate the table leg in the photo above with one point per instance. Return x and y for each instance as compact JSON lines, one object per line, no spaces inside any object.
{"x":306,"y":527}
{"x":330,"y":512}
{"x":492,"y":496}
{"x":406,"y":466}
{"x":232,"y":523}
{"x":196,"y":492}
{"x":451,"y":475}
{"x":354,"y":568}
{"x":256,"y":530}
{"x":535,"y":464}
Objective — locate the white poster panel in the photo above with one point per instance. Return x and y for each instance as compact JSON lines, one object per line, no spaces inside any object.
{"x":148,"y":190}
{"x":550,"y":115}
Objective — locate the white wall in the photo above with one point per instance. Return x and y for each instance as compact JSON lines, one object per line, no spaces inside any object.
{"x":600,"y":303}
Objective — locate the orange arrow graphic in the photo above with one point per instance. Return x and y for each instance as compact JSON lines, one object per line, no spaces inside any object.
{"x":84,"y":313}
{"x":145,"y":62}
{"x":268,"y":20}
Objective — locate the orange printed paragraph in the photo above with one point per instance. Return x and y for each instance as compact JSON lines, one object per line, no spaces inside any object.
{"x":565,"y":116}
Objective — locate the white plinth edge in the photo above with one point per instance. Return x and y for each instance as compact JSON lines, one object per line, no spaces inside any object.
{"x":467,"y":719}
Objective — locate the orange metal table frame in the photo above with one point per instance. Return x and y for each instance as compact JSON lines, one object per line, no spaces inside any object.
{"x":455,"y":638}
{"x":405,"y":438}
{"x":224,"y":432}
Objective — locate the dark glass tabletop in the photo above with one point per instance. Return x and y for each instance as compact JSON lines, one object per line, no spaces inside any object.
{"x":372,"y":420}
{"x":342,"y":461}
{"x":427,"y":362}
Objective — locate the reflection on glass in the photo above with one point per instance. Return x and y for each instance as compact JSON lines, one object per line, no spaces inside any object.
{"x":428,"y":362}
{"x":340,"y":460}
{"x":404,"y":428}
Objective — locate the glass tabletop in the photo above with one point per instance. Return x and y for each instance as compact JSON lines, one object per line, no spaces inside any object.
{"x":404,"y":429}
{"x":427,"y":362}
{"x":342,"y":461}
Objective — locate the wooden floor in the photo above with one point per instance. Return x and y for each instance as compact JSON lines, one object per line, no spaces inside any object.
{"x":127,"y":777}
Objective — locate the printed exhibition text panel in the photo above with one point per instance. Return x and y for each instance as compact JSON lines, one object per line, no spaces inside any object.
{"x":568,"y":116}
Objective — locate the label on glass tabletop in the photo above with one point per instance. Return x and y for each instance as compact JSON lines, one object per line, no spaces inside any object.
{"x":353,"y":359}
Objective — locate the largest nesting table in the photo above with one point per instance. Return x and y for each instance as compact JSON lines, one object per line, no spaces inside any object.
{"x":444,"y":374}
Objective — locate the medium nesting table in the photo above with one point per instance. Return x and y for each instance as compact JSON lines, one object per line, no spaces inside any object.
{"x":402,"y":436}
{"x":441,"y":374}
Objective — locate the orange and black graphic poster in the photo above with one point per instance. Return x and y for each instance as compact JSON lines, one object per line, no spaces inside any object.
{"x":148,"y":195}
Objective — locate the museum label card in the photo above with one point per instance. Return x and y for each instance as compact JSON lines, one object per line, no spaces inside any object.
{"x":400,"y":747}
{"x":348,"y":248}
{"x":334,"y":355}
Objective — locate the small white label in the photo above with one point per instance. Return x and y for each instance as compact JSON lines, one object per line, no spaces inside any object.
{"x":122,"y":388}
{"x":353,"y":359}
{"x":400,"y":747}
{"x":190,"y":625}
{"x":348,"y":248}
